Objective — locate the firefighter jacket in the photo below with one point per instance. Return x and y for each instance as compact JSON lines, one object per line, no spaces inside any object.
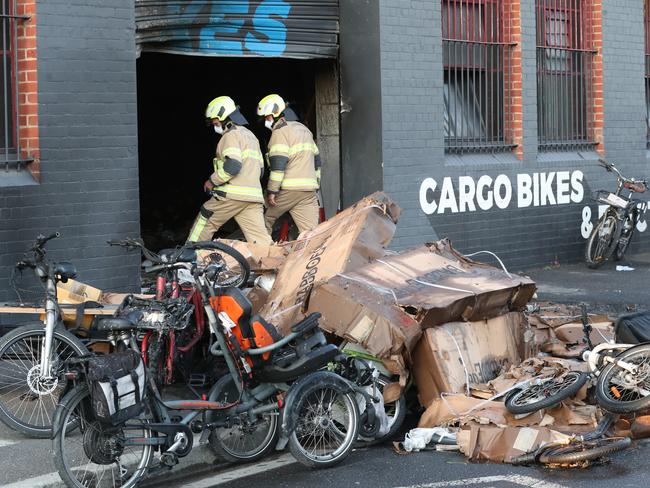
{"x":238,"y":166}
{"x":293,"y":157}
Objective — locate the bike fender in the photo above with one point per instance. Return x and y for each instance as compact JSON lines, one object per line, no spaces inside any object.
{"x":293,"y":398}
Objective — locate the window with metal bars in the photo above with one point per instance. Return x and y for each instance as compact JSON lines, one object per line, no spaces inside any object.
{"x":646,"y":19}
{"x":476,"y":60}
{"x":9,"y":101}
{"x":564,"y":70}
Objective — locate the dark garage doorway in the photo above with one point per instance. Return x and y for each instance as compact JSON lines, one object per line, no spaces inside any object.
{"x":175,"y":145}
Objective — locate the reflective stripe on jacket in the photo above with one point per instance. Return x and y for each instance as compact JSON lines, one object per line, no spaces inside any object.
{"x":238,"y":166}
{"x":293,"y":157}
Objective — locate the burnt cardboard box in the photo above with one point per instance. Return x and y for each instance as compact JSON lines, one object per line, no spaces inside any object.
{"x":439,"y":285}
{"x":347,"y":241}
{"x":450,"y":355}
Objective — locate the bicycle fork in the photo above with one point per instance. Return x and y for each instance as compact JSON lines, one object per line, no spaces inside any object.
{"x":50,"y":322}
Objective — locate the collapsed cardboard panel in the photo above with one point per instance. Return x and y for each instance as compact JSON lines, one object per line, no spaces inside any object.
{"x":260,"y":257}
{"x":361,"y":315}
{"x":449,"y":356}
{"x":439,"y":285}
{"x":502,"y":444}
{"x":347,"y":241}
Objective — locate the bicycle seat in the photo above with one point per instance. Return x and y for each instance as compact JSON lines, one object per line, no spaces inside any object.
{"x":636,"y":187}
{"x":114,"y":324}
{"x":64,"y":271}
{"x":170,"y":255}
{"x":312,"y":361}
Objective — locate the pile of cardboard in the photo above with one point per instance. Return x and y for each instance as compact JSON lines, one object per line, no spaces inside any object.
{"x":557,"y":330}
{"x":428,"y":311}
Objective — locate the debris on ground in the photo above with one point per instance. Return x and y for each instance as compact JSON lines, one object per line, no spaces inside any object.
{"x":465,"y":333}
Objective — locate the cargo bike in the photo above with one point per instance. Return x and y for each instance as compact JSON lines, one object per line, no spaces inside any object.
{"x":278,"y":391}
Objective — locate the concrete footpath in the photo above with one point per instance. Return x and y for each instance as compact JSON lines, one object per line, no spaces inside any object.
{"x":604,"y":289}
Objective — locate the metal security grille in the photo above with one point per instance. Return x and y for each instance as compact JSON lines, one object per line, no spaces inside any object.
{"x":300,"y":29}
{"x":646,"y":18}
{"x":9,"y":140}
{"x":564,"y":69}
{"x":476,"y":62}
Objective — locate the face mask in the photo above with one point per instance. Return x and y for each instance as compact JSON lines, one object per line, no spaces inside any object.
{"x":269,"y":124}
{"x":218,"y":129}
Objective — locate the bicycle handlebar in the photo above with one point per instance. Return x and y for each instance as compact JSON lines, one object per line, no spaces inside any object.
{"x":610,"y":167}
{"x":37,"y":249}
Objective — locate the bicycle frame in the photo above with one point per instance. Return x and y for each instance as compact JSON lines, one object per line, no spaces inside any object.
{"x":594,"y":357}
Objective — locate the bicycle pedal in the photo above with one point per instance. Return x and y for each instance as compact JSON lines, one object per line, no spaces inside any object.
{"x":169,"y":459}
{"x":198,"y":380}
{"x":205,"y":436}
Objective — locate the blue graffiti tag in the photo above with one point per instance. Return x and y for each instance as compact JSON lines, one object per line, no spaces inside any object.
{"x":224,"y":31}
{"x":274,"y":30}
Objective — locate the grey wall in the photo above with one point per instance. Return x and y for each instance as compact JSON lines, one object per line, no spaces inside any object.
{"x":412,"y":107}
{"x":413,"y":147}
{"x":88,"y":141}
{"x":361,"y":93}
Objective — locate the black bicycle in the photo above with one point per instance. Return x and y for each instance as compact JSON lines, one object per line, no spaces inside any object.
{"x":275,"y":393}
{"x":612,"y":234}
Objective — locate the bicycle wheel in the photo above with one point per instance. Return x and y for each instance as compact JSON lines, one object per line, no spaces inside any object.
{"x":621,"y":391}
{"x":236,"y":271}
{"x":548,"y":393}
{"x":584,"y":451}
{"x":96,"y":454}
{"x":245,"y":441}
{"x":327,"y":427}
{"x":602,"y":241}
{"x":624,"y":244}
{"x":27,"y":400}
{"x":395,"y":411}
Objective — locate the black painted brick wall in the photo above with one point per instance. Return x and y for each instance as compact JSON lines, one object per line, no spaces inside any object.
{"x":413,"y":147}
{"x":88,"y":141}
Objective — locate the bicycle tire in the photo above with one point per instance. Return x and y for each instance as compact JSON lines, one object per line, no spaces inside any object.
{"x":241,"y":279}
{"x":607,"y":387}
{"x":347,"y":406}
{"x":10,"y":345}
{"x":569,"y":386}
{"x":584,"y":451}
{"x":593,"y":261}
{"x":619,"y":252}
{"x":219,"y":436}
{"x":68,"y":449}
{"x":397,"y":419}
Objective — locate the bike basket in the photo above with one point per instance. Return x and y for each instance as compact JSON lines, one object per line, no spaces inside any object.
{"x":608,"y":198}
{"x":117,"y":386}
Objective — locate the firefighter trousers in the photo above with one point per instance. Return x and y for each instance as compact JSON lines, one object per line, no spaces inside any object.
{"x":214,"y":213}
{"x":302,"y":205}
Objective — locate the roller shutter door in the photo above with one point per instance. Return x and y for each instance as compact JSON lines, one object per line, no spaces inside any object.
{"x":302,"y":29}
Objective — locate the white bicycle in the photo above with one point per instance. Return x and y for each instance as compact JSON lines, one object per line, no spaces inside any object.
{"x":620,"y":373}
{"x":32,"y":355}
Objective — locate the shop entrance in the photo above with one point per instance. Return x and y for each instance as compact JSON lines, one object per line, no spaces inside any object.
{"x":176,"y":147}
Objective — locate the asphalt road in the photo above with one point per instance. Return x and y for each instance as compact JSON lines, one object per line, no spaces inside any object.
{"x":25,"y":460}
{"x":607,"y":288}
{"x":380,"y":467}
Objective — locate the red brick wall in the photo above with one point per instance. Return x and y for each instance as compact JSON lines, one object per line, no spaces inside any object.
{"x":28,"y":85}
{"x":512,"y":76}
{"x":595,"y":35}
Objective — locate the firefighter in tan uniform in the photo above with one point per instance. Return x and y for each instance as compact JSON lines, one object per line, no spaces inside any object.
{"x":295,"y":167}
{"x":235,"y":183}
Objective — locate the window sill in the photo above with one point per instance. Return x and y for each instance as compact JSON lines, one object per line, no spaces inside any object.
{"x":568,"y":155}
{"x":16,"y":178}
{"x":16,"y":173}
{"x":478,"y":159}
